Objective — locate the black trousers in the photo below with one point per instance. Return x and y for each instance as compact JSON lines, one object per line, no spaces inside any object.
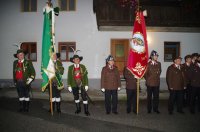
{"x":176,"y":96}
{"x":152,"y":92}
{"x":22,"y":89}
{"x":75,"y":91}
{"x":111,"y":96}
{"x":195,"y":93}
{"x":55,"y":91}
{"x":131,"y":99}
{"x":187,"y":95}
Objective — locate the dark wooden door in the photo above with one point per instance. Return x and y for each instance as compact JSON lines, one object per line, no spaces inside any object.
{"x":119,"y":50}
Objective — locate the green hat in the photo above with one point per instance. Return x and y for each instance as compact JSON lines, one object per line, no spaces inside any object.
{"x":56,"y":11}
{"x":76,"y":56}
{"x":19,"y":51}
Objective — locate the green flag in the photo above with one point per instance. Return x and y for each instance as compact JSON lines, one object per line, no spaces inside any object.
{"x":47,"y":66}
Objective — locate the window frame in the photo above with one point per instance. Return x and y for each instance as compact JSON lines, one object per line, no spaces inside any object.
{"x":173,"y":46}
{"x":67,"y":9}
{"x":29,"y":49}
{"x":30,"y":5}
{"x":67,"y":44}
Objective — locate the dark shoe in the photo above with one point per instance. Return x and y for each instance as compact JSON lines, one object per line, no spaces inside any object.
{"x":78,"y":108}
{"x":181,"y":112}
{"x":87,"y":113}
{"x":116,"y":113}
{"x":149,"y":111}
{"x":107,"y":112}
{"x":77,"y":111}
{"x":134,"y":111}
{"x":128,"y":111}
{"x":58,"y":107}
{"x":170,"y":112}
{"x":20,"y":106}
{"x":192,"y":111}
{"x":157,"y":111}
{"x":26,"y":106}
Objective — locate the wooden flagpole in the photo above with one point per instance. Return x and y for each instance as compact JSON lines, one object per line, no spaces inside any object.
{"x":138,"y":80}
{"x":51,"y":105}
{"x":138,"y":94}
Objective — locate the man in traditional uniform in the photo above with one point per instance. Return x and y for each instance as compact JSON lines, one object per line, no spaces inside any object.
{"x":152,"y":77}
{"x":78,"y":81}
{"x":194,"y":76}
{"x":23,"y":75}
{"x":131,"y":90}
{"x":187,"y":92}
{"x":176,"y":83}
{"x":59,"y":70}
{"x":110,"y":84}
{"x":194,"y":57}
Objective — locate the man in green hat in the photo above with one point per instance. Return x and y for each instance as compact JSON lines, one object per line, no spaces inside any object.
{"x":78,"y":81}
{"x":23,"y":75}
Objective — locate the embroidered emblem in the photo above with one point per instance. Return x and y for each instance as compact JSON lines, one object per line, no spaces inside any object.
{"x":139,"y":68}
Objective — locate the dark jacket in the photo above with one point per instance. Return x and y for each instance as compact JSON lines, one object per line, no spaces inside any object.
{"x":110,"y":78}
{"x":175,"y":78}
{"x":84,"y":74}
{"x":194,"y":75}
{"x":131,"y":81}
{"x":152,"y":74}
{"x":186,"y":70}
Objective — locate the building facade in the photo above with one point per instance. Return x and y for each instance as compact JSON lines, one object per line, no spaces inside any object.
{"x":79,"y":26}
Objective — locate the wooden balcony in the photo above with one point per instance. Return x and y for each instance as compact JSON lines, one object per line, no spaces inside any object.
{"x":165,"y":15}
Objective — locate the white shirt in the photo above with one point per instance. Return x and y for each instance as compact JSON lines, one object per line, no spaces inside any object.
{"x":76,"y":65}
{"x":111,"y":67}
{"x":198,"y":64}
{"x":178,"y":66}
{"x":21,"y":61}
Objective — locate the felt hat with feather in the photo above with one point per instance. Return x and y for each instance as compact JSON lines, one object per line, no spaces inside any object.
{"x":75,"y":56}
{"x":18,"y":51}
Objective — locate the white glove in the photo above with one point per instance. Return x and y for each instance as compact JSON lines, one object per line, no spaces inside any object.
{"x":118,"y":88}
{"x":103,"y":90}
{"x":86,"y":88}
{"x":29,"y":80}
{"x":70,"y":89}
{"x":184,"y":87}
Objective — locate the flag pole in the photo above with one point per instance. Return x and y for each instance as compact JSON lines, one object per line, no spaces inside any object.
{"x":138,"y":89}
{"x":50,"y":91}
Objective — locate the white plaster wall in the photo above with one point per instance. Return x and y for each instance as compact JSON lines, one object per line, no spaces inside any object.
{"x":79,"y":26}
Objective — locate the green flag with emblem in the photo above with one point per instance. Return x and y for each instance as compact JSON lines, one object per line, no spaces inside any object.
{"x":48,"y":49}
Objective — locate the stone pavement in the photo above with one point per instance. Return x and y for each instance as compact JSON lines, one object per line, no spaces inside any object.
{"x":38,"y":119}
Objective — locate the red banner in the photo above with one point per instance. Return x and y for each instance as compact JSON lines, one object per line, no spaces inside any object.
{"x":138,"y":54}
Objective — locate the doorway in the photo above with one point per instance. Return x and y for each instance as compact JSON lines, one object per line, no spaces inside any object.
{"x":119,"y":50}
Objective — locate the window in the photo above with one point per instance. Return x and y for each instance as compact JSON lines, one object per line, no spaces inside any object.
{"x":67,"y":5}
{"x":30,"y":49}
{"x":66,"y":51}
{"x":28,"y":5}
{"x":171,"y":50}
